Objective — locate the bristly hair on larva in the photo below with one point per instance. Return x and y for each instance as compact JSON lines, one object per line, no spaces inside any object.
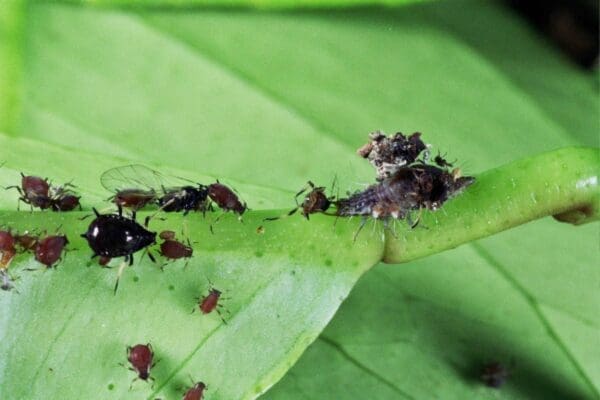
{"x":407,"y":182}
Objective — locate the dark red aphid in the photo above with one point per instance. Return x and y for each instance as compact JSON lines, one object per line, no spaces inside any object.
{"x":34,"y":191}
{"x":38,"y":192}
{"x":65,"y":202}
{"x":225,"y":198}
{"x":196,"y":392}
{"x":7,"y":249}
{"x":141,"y":358}
{"x":209,"y":302}
{"x":173,"y":249}
{"x":7,"y":241}
{"x":48,"y":250}
{"x":494,"y":374}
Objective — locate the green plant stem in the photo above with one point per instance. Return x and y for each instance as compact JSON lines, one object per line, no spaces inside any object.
{"x":562,"y":183}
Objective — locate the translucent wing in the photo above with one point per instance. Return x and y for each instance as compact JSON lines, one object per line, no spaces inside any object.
{"x":130,"y":177}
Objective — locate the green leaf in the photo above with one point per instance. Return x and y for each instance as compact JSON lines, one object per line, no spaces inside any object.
{"x":267,"y":101}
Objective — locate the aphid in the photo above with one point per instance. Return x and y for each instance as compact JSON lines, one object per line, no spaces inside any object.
{"x":442,"y":162}
{"x":316,"y":201}
{"x":7,"y":249}
{"x":113,"y":235}
{"x":135,"y":186}
{"x":63,"y":201}
{"x":173,"y":249}
{"x":225,"y":198}
{"x":7,"y":241}
{"x":34,"y":191}
{"x":210,"y":302}
{"x":38,"y":192}
{"x":196,"y":392}
{"x":494,"y":374}
{"x":389,"y":153}
{"x":48,"y":250}
{"x":141,"y":358}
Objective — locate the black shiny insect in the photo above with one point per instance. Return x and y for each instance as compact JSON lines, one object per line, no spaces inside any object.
{"x":135,"y":186}
{"x":113,"y":235}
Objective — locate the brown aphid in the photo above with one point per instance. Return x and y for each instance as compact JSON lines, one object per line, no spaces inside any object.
{"x":49,"y":250}
{"x":7,"y":241}
{"x":196,"y":392}
{"x":316,"y":201}
{"x":7,"y":249}
{"x":141,"y":358}
{"x":167,"y":235}
{"x":34,"y":191}
{"x":209,"y":302}
{"x":173,"y":249}
{"x":65,"y":202}
{"x":225,"y":198}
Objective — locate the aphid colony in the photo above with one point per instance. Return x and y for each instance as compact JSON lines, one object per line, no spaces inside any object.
{"x":406,"y":181}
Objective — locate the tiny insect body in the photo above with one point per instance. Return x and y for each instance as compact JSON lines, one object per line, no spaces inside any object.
{"x":196,"y":392}
{"x":39,"y":193}
{"x":49,"y":249}
{"x":173,"y":249}
{"x":315,"y":201}
{"x":7,"y":254}
{"x":141,"y":358}
{"x":7,"y":249}
{"x":225,"y":198}
{"x":135,"y":186}
{"x":211,"y":302}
